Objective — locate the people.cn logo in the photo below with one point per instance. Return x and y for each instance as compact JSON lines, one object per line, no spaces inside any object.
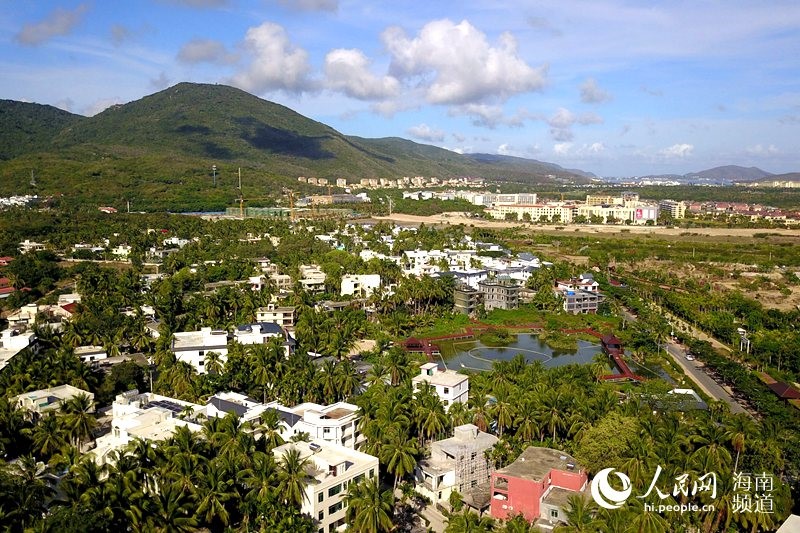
{"x":607,"y":496}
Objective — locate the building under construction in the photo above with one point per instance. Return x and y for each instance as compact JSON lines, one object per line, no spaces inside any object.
{"x":458,"y":463}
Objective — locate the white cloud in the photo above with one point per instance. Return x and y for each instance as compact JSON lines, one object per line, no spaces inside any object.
{"x":205,"y":51}
{"x":591,"y":93}
{"x":457,"y":65}
{"x":678,"y":150}
{"x":595,"y":148}
{"x":563,"y":119}
{"x":761,"y":150}
{"x":311,"y":5}
{"x":161,"y":82}
{"x":348,"y":71}
{"x":101,"y":105}
{"x":504,"y":149}
{"x":562,"y":148}
{"x":277,"y":64}
{"x":426,"y":133}
{"x":66,"y":104}
{"x":59,"y":22}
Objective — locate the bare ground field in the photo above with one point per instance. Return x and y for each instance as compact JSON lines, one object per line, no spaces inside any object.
{"x":462,"y":218}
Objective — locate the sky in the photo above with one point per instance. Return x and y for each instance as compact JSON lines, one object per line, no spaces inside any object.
{"x":618,"y":88}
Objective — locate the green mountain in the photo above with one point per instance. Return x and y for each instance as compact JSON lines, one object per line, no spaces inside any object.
{"x":158,"y":152}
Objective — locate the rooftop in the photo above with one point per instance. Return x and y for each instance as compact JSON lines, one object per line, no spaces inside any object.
{"x":535,"y":463}
{"x":324,"y":456}
{"x":207,"y":338}
{"x":445,"y":378}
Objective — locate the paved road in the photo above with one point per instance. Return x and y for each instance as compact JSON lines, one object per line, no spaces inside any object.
{"x":694,"y":370}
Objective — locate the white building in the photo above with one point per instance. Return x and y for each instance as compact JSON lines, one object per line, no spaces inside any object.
{"x":122,"y":251}
{"x":51,"y":399}
{"x":312,"y":278}
{"x":246,"y":409}
{"x":147,"y":416}
{"x":360,"y":285}
{"x":457,"y":463}
{"x":30,"y":246}
{"x":88,"y":354}
{"x":335,"y":467}
{"x":261,"y":333}
{"x":283,"y":316}
{"x":336,"y":423}
{"x":450,"y":386}
{"x":193,"y":346}
{"x":12,"y":342}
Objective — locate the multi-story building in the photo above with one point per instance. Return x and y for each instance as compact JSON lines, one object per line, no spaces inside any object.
{"x":334,"y":469}
{"x":500,"y":293}
{"x":39,"y":402}
{"x":535,"y":212}
{"x":148,"y":416}
{"x":537,"y":486}
{"x":450,"y":386}
{"x":675,"y":209}
{"x":193,"y":346}
{"x":283,"y":316}
{"x":336,"y":423}
{"x":580,"y":296}
{"x":457,"y":463}
{"x":262,"y":333}
{"x":466,"y":299}
{"x":246,"y":409}
{"x":360,"y":285}
{"x":312,"y":278}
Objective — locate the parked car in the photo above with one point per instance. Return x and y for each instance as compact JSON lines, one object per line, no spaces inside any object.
{"x":689,"y":356}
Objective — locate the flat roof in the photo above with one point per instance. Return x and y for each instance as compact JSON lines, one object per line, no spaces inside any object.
{"x":186,"y":340}
{"x":560,"y":497}
{"x":535,"y":463}
{"x":446,"y":378}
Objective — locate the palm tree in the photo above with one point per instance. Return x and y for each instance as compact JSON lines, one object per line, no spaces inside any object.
{"x":580,"y":516}
{"x":168,"y":511}
{"x":48,"y":436}
{"x":368,"y":508}
{"x":78,"y":417}
{"x":399,"y":453}
{"x":270,"y":429}
{"x":468,"y":522}
{"x":292,"y":477}
{"x":213,"y":362}
{"x":214,"y":491}
{"x":259,"y":479}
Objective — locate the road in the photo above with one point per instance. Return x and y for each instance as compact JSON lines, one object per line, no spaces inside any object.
{"x":694,"y":371}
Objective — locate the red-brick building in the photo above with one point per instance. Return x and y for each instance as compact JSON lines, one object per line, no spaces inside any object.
{"x":536,"y":486}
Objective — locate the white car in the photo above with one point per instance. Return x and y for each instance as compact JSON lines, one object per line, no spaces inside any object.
{"x":689,"y":357}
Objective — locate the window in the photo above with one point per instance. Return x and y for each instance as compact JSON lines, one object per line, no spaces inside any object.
{"x":553,"y":513}
{"x":320,"y":497}
{"x":336,"y":489}
{"x":321,"y":515}
{"x":334,"y":508}
{"x":358,"y":478}
{"x":447,"y":390}
{"x":372,"y":472}
{"x":326,"y":431}
{"x":201,"y":353}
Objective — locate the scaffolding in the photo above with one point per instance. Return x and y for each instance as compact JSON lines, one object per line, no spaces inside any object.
{"x":472,"y":467}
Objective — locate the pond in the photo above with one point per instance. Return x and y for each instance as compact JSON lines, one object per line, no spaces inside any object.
{"x":474,"y":355}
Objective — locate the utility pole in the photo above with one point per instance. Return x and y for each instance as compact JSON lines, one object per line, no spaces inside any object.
{"x":214,"y":171}
{"x":240,"y":179}
{"x":129,"y":205}
{"x":391,"y":204}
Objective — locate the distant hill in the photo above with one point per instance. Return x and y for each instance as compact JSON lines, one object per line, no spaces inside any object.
{"x":30,"y":127}
{"x":523,"y":165}
{"x":730,"y":173}
{"x":158,"y":151}
{"x":790,"y":176}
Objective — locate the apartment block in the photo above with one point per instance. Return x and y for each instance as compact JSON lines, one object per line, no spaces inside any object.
{"x":450,"y":386}
{"x":334,"y":469}
{"x":336,"y":423}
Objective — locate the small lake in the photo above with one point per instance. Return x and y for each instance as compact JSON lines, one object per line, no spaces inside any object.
{"x":474,"y":355}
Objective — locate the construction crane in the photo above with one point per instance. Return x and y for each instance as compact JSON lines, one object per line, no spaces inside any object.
{"x":290,"y":194}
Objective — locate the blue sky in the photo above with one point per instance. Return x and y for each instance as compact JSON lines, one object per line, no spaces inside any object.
{"x":613,"y":87}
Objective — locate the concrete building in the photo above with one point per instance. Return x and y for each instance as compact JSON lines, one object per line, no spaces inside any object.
{"x":457,"y":463}
{"x":262,"y":333}
{"x":193,"y":346}
{"x":360,"y":285}
{"x":12,"y":342}
{"x":42,"y":401}
{"x":334,"y":467}
{"x":580,"y":296}
{"x":499,"y":293}
{"x":246,"y":409}
{"x":537,"y":486}
{"x":466,"y":299}
{"x":89,"y":354}
{"x":312,"y":278}
{"x":148,"y":416}
{"x":283,"y":316}
{"x":336,"y":423}
{"x":562,"y":213}
{"x":450,"y":386}
{"x":675,"y":209}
